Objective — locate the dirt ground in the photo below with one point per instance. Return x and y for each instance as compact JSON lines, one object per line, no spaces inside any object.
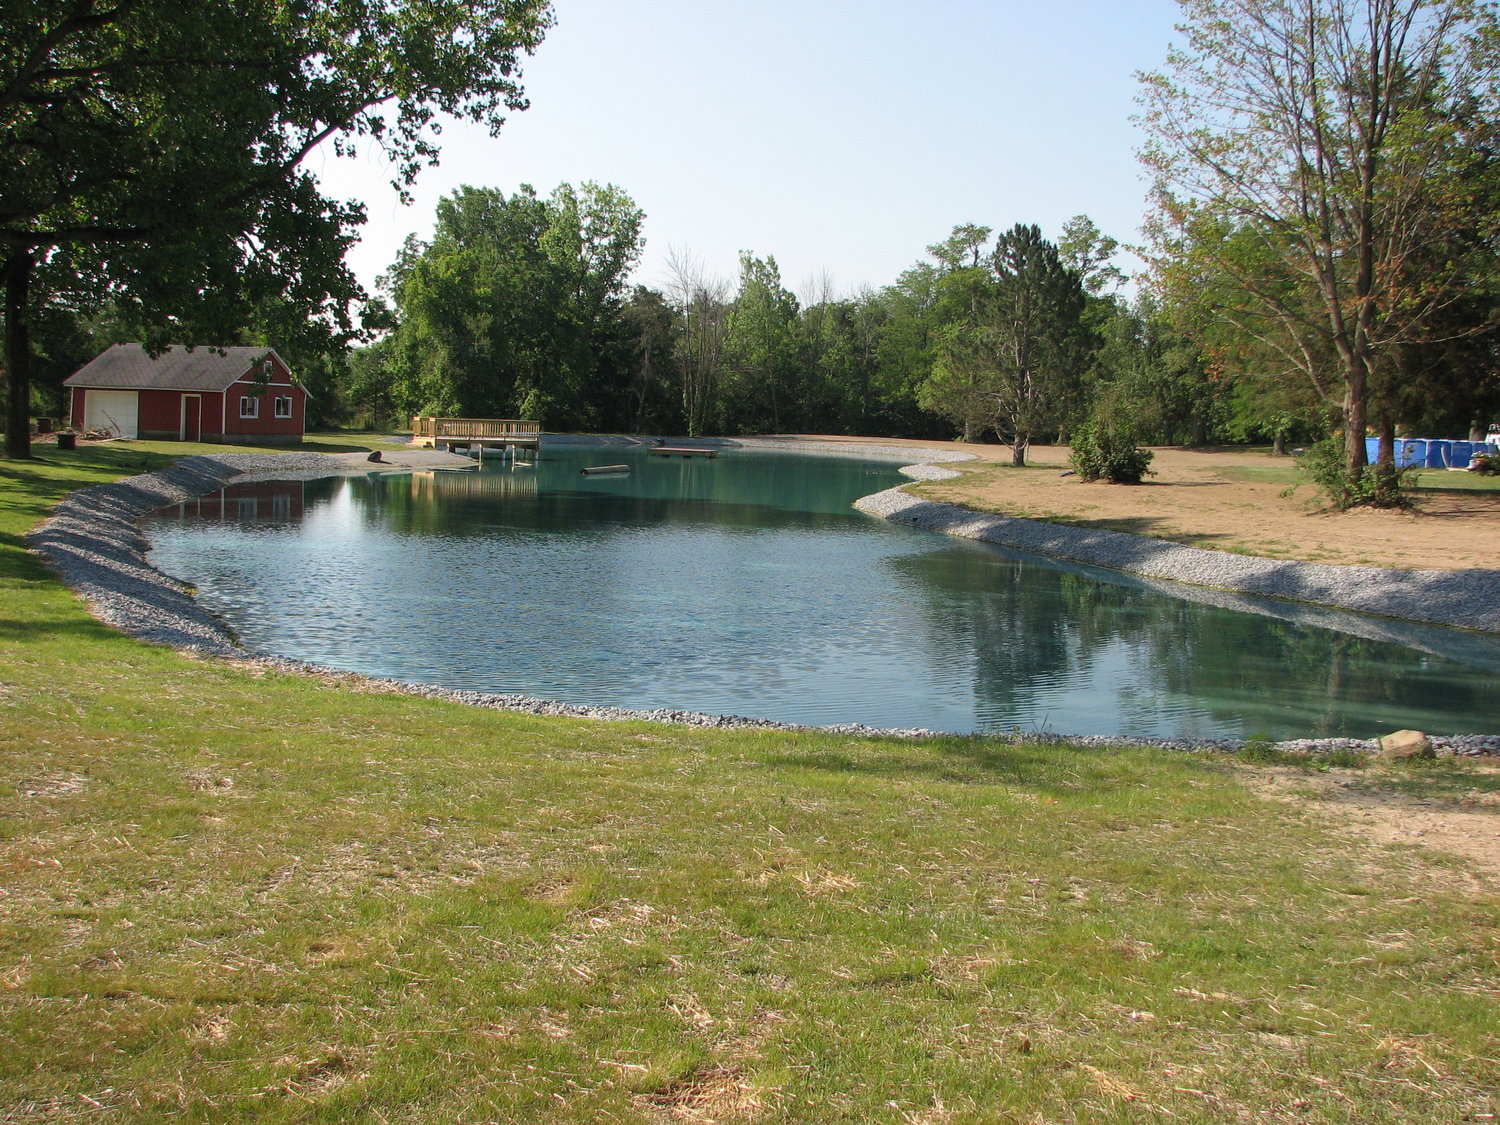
{"x":1230,"y":500}
{"x":1359,"y":803}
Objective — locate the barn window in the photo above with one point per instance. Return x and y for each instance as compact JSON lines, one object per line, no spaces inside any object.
{"x":249,"y":407}
{"x":283,"y":406}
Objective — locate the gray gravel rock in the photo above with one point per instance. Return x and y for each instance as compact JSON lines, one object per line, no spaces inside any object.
{"x":1468,"y":599}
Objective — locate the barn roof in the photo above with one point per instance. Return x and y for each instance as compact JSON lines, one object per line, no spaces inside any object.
{"x":129,"y":367}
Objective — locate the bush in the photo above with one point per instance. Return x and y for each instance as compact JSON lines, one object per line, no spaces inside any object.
{"x":1109,"y":452}
{"x":1486,"y":464}
{"x":1379,"y":486}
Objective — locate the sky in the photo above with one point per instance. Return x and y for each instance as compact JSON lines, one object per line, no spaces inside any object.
{"x":842,"y":137}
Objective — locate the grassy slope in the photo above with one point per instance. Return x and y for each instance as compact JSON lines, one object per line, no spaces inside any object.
{"x":229,"y":895}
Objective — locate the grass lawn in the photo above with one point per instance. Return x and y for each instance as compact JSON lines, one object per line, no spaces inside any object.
{"x":233,"y":895}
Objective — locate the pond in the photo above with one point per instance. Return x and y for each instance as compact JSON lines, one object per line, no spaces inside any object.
{"x":747,"y":585}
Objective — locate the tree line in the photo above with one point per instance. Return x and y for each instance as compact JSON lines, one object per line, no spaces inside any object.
{"x":521,"y":306}
{"x":1322,"y":244}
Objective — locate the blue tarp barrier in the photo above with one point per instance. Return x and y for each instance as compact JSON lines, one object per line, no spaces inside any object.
{"x":1433,"y":453}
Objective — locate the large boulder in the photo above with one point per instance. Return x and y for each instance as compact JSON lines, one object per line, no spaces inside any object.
{"x":1405,"y":745}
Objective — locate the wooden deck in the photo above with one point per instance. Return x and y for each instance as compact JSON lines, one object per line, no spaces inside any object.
{"x":681,"y":451}
{"x":505,"y":434}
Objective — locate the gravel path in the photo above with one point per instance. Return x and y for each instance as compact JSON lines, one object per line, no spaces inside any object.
{"x":93,"y":542}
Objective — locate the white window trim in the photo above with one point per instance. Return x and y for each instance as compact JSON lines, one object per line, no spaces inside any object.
{"x":254,"y":404}
{"x":278,"y":410}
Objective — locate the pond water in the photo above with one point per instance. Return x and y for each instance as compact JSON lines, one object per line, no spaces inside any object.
{"x":747,"y":585}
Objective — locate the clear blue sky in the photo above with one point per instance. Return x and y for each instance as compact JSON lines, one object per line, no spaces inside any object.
{"x":840,"y":136}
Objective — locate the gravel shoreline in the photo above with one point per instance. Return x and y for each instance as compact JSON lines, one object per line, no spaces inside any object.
{"x":94,"y":544}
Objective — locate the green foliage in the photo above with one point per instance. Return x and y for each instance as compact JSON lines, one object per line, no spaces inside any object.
{"x":1378,"y":486}
{"x":1089,"y":252}
{"x":1013,"y":354}
{"x":514,"y":308}
{"x":155,"y":151}
{"x":1325,"y":196}
{"x":760,"y":353}
{"x":1486,"y":464}
{"x":1108,"y":451}
{"x":1148,"y":370}
{"x":1261,"y":750}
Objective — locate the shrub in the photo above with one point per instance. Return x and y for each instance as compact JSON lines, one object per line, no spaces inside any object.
{"x":1108,"y":452}
{"x":1486,"y":464}
{"x":1379,"y":486}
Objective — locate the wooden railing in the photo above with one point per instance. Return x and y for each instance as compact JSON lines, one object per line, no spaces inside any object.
{"x":493,"y":429}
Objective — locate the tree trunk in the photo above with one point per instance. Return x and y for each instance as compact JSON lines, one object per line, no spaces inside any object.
{"x":1018,"y":450}
{"x":1385,"y":450}
{"x":18,"y":355}
{"x":1278,"y":444}
{"x":1479,"y":430}
{"x":1355,"y":458}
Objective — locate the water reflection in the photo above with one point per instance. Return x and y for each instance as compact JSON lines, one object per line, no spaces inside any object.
{"x":1052,"y":641}
{"x":746,"y":585}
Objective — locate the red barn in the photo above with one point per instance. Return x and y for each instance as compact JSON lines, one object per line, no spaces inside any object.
{"x":230,"y":395}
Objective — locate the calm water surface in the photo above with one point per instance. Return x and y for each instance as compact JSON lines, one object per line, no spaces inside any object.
{"x":747,"y":585}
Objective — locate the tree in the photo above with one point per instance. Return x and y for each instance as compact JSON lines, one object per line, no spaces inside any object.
{"x":701,"y":302}
{"x":514,"y":305}
{"x":1328,"y":135}
{"x":652,"y":332}
{"x":1147,"y":375}
{"x":1023,"y":354}
{"x":760,"y":345}
{"x":1085,"y":249}
{"x":157,"y":149}
{"x":963,"y":285}
{"x":904,"y":352}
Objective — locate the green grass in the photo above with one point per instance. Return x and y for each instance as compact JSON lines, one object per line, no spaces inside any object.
{"x":1441,"y":480}
{"x":234,"y":895}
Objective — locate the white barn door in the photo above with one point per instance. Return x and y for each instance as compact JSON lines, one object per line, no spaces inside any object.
{"x":116,"y":411}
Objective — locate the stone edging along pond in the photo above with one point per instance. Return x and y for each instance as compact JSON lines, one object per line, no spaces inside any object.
{"x":94,"y":543}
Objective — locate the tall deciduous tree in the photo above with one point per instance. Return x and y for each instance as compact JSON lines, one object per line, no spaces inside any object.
{"x":1308,"y":150}
{"x":761,"y":345}
{"x":508,"y":310}
{"x":701,"y":303}
{"x":1088,"y":250}
{"x":962,"y":286}
{"x":158,"y":148}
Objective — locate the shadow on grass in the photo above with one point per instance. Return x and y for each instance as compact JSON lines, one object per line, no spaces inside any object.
{"x":59,"y":473}
{"x":80,"y":628}
{"x":330,"y":445}
{"x":969,"y":761}
{"x":23,"y":487}
{"x":1488,"y":494}
{"x":18,"y":564}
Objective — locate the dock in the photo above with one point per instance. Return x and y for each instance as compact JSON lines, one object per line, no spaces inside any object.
{"x":508,"y":435}
{"x":681,"y":451}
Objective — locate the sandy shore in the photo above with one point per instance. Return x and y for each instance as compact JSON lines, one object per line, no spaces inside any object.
{"x":1233,"y":501}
